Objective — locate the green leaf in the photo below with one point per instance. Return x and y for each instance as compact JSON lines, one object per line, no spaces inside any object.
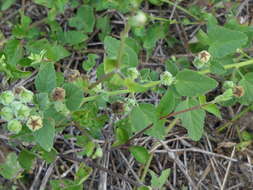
{"x":140,"y":153}
{"x":45,"y":135}
{"x":82,"y":174}
{"x":247,"y":84}
{"x":26,"y":159}
{"x":144,"y":115}
{"x":7,"y":4}
{"x":141,"y":116}
{"x":121,"y":137}
{"x":45,"y":81}
{"x":154,"y":33}
{"x":50,"y":156}
{"x":110,"y":65}
{"x":10,"y":168}
{"x":42,"y":100}
{"x":74,"y":96}
{"x":84,"y":19}
{"x":193,"y":121}
{"x":158,"y":182}
{"x":13,"y":51}
{"x":56,"y":52}
{"x":112,"y":47}
{"x":167,"y":104}
{"x":90,"y":63}
{"x":225,"y":41}
{"x":72,"y":37}
{"x":211,"y":108}
{"x":191,"y":83}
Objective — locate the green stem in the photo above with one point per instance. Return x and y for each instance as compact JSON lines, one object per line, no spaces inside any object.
{"x":123,"y":37}
{"x":238,"y":116}
{"x":119,"y":92}
{"x":180,"y":8}
{"x":230,"y":66}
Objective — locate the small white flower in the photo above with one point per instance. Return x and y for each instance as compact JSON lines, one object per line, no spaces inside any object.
{"x":204,"y":56}
{"x":167,"y":78}
{"x":139,"y":19}
{"x":34,"y":123}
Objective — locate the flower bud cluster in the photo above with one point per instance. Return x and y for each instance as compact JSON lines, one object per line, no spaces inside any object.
{"x":15,"y":108}
{"x":202,"y":59}
{"x":133,"y":73}
{"x":167,"y":78}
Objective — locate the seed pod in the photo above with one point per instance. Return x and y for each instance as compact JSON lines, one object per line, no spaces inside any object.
{"x":6,"y":113}
{"x":71,"y":75}
{"x":14,"y":126}
{"x":23,"y":112}
{"x":58,"y":94}
{"x":6,"y":97}
{"x":238,"y":91}
{"x":34,"y":123}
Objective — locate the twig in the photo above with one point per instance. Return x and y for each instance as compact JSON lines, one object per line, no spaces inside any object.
{"x":227,"y":171}
{"x":46,"y":177}
{"x":94,"y":165}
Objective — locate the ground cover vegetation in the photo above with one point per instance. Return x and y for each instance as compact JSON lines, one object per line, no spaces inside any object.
{"x":126,"y":94}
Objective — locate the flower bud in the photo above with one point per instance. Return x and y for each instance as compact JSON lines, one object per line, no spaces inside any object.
{"x":71,"y":75}
{"x":133,"y":73}
{"x":166,"y":78}
{"x":34,"y":123}
{"x":14,"y":126}
{"x":6,"y":113}
{"x":139,"y":19}
{"x":6,"y":97}
{"x":204,"y":56}
{"x":228,"y":85}
{"x":227,"y":95}
{"x":23,"y":112}
{"x":58,"y":94}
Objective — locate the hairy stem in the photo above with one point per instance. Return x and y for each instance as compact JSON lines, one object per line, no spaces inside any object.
{"x":230,"y":66}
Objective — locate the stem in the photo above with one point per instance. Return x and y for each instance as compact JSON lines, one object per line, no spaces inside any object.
{"x":238,"y":116}
{"x":230,"y":66}
{"x":119,"y":92}
{"x":123,"y":36}
{"x":180,"y":8}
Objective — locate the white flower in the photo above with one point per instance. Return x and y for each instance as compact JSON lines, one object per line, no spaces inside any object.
{"x":34,"y":123}
{"x":204,"y":56}
{"x":166,"y":78}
